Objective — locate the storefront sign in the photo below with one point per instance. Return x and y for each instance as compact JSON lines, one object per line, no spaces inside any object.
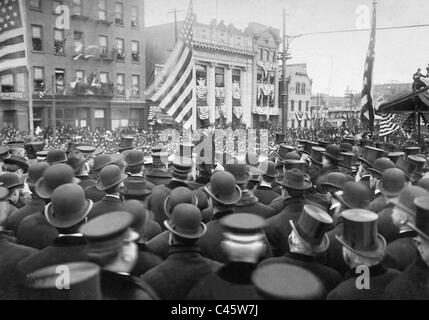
{"x":11,"y":95}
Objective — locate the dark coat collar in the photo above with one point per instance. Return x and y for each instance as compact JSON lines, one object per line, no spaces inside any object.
{"x":111,"y":199}
{"x":300,"y":257}
{"x":222,"y":214}
{"x":407,"y":234}
{"x":176,"y":250}
{"x":264,"y":188}
{"x":237,"y":272}
{"x":70,"y":241}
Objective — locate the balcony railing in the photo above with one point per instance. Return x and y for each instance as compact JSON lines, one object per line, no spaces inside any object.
{"x":101,"y":90}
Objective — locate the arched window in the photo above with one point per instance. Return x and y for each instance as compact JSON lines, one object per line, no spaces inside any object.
{"x":303,"y":88}
{"x":298,"y":88}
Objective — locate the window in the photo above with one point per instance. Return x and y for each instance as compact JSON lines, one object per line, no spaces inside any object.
{"x":39,"y":78}
{"x":55,"y":5}
{"x":104,"y":47}
{"x":303,"y":88}
{"x":104,"y":77}
{"x":60,"y":75}
{"x":7,"y":83}
{"x":120,"y":54}
{"x":236,"y":86}
{"x":136,"y":85}
{"x":77,"y":8}
{"x":292,"y":105}
{"x":299,"y":106}
{"x":120,"y":84}
{"x":220,"y":77}
{"x":261,"y":54}
{"x":99,"y":118}
{"x":297,"y":88}
{"x":80,"y":75}
{"x":307,"y":106}
{"x":102,"y":10}
{"x":135,"y":51}
{"x":36,"y":4}
{"x":37,"y":38}
{"x":134,"y":17}
{"x":293,"y":123}
{"x":20,"y":84}
{"x":78,"y":42}
{"x":59,"y":42}
{"x":119,"y":13}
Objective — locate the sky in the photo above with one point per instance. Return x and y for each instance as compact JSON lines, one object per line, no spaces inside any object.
{"x":335,"y":62}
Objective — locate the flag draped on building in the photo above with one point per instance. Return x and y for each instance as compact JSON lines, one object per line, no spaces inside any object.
{"x":367,"y":107}
{"x":392,"y":122}
{"x":174,"y":87}
{"x":12,"y":44}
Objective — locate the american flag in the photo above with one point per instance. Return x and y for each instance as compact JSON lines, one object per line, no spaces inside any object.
{"x":392,"y":122}
{"x":367,"y":108}
{"x":12,"y":44}
{"x":174,"y":87}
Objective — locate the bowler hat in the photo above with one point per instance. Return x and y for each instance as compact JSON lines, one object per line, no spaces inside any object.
{"x":110,"y":176}
{"x":239,"y":171}
{"x":394,"y":156}
{"x":254,"y":174}
{"x":127,"y":143}
{"x":134,"y":158}
{"x":35,"y":172}
{"x":101,"y":161}
{"x":10,"y":180}
{"x":205,"y":123}
{"x":295,"y":179}
{"x":392,"y":182}
{"x":424,"y":183}
{"x":421,"y":225}
{"x":335,"y":180}
{"x":406,"y":198}
{"x":380,"y":165}
{"x":316,"y":155}
{"x":185,"y":222}
{"x":223,"y":188}
{"x":20,"y":161}
{"x":68,"y":206}
{"x":360,"y":233}
{"x":177,"y":196}
{"x":268,"y":169}
{"x":281,"y":281}
{"x":134,"y":186}
{"x":311,"y":228}
{"x":83,"y":282}
{"x":370,"y":155}
{"x":53,"y":177}
{"x":406,"y":166}
{"x":355,"y":195}
{"x":76,"y":160}
{"x":291,"y":156}
{"x":333,"y":152}
{"x":55,"y":156}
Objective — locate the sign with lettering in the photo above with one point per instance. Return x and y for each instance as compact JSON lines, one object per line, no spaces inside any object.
{"x":11,"y":95}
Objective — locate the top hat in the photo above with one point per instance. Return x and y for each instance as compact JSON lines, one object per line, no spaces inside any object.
{"x":296,"y":164}
{"x":185,"y":222}
{"x":371,"y":154}
{"x":308,"y":145}
{"x":355,"y":195}
{"x":56,"y":156}
{"x":20,"y":161}
{"x":281,"y":281}
{"x":83,"y":282}
{"x":418,"y":161}
{"x":333,"y":152}
{"x":182,"y":166}
{"x":268,"y":168}
{"x":134,"y":158}
{"x":334,"y":180}
{"x":316,"y":155}
{"x":32,"y":148}
{"x":68,"y":206}
{"x":406,"y":166}
{"x":406,"y":198}
{"x":110,"y":176}
{"x":10,"y":180}
{"x":42,"y":155}
{"x":223,"y":188}
{"x":186,"y":150}
{"x":367,"y":143}
{"x":53,"y":177}
{"x":322,"y":144}
{"x":380,"y":165}
{"x":394,"y":156}
{"x":127,"y":143}
{"x":295,"y":179}
{"x":348,"y":161}
{"x":177,"y":196}
{"x":76,"y":160}
{"x":349,"y":140}
{"x":158,"y":149}
{"x":311,"y":228}
{"x":421,"y":225}
{"x":412,"y":151}
{"x":284,"y":150}
{"x":134,"y":186}
{"x":239,"y":171}
{"x":159,"y":159}
{"x":35,"y":172}
{"x":16,"y":144}
{"x":392,"y":182}
{"x":243,"y":227}
{"x":360,"y":233}
{"x":205,"y":123}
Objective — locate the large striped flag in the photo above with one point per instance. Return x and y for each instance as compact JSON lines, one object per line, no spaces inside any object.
{"x":174,"y":87}
{"x":392,"y":122}
{"x":12,"y":44}
{"x":367,"y":108}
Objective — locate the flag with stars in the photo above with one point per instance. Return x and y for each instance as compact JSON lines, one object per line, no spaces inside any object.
{"x":174,"y":87}
{"x":12,"y":44}
{"x":367,"y":107}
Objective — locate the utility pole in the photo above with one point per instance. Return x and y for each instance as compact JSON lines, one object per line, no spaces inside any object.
{"x":285,"y":104}
{"x":175,"y":11}
{"x":54,"y":108}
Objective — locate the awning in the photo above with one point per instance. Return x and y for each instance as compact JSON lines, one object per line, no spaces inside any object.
{"x":417,"y":101}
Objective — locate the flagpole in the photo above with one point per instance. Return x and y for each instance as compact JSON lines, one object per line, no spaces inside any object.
{"x":54,"y":109}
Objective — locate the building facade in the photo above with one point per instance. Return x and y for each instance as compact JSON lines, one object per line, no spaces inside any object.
{"x":235,"y":71}
{"x":95,"y":69}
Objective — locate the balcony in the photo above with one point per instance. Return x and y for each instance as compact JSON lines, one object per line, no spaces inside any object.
{"x":105,"y":55}
{"x":100,"y":90}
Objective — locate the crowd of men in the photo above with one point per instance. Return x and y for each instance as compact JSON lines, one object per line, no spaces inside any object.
{"x":314,"y":220}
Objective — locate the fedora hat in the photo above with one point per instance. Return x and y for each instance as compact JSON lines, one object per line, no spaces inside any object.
{"x":406,"y":166}
{"x":68,"y":206}
{"x":177,"y":196}
{"x":333,"y":152}
{"x":135,"y":186}
{"x":239,"y":171}
{"x":412,"y":151}
{"x":76,"y":160}
{"x":311,"y":228}
{"x":316,"y":155}
{"x":53,"y":177}
{"x":360,"y":233}
{"x":355,"y":195}
{"x":55,"y":156}
{"x":20,"y":161}
{"x":371,"y":154}
{"x":334,"y":180}
{"x":268,"y":169}
{"x":421,"y":226}
{"x":223,"y":188}
{"x":380,"y":165}
{"x":134,"y":158}
{"x":110,"y":176}
{"x":127,"y":143}
{"x":394,"y":156}
{"x":295,"y":179}
{"x":185,"y":222}
{"x":35,"y":172}
{"x":406,"y":198}
{"x":10,"y":180}
{"x":392,"y":182}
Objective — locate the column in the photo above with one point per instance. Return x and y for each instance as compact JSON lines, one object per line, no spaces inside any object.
{"x":276,"y":83}
{"x":228,"y":92}
{"x":247,"y":96}
{"x":211,"y":95}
